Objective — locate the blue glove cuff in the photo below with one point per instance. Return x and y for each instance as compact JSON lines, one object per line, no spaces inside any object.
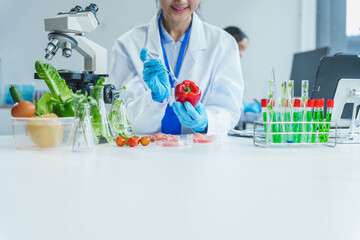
{"x":202,"y":128}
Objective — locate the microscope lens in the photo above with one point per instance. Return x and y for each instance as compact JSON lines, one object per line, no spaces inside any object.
{"x":67,"y":50}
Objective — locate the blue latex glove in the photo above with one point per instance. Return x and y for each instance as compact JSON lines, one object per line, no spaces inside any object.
{"x":155,"y":77}
{"x":191,"y":117}
{"x":254,"y":107}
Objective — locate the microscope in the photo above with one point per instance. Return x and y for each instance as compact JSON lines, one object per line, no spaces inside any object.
{"x":67,"y":32}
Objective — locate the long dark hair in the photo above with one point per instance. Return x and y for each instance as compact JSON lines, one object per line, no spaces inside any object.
{"x":236,"y":33}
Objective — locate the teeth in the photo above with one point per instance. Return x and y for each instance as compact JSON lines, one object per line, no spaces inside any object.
{"x":179,"y":8}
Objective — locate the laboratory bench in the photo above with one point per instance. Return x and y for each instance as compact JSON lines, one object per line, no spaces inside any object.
{"x":224,"y":191}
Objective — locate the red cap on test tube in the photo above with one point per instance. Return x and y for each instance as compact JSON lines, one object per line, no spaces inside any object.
{"x":330,"y":103}
{"x":310,"y":103}
{"x":264,"y":102}
{"x":319,"y":103}
{"x":297,"y":102}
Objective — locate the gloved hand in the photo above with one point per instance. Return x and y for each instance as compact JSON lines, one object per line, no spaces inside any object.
{"x":191,"y":117}
{"x":155,"y":77}
{"x":254,"y":107}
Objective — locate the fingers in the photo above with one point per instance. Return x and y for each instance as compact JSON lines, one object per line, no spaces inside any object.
{"x":180,"y":111}
{"x":152,"y":63}
{"x":155,"y":70}
{"x":143,"y":54}
{"x":200,"y":108}
{"x":192,"y":111}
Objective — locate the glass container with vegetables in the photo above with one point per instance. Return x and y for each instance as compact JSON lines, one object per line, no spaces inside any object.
{"x":99,"y":119}
{"x":84,"y":137}
{"x":119,"y":120}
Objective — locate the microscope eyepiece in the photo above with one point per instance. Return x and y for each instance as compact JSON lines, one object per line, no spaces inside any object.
{"x":76,"y":9}
{"x":92,"y":8}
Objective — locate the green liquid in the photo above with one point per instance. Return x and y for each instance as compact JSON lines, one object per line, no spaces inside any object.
{"x":295,"y":126}
{"x":300,"y":128}
{"x":327,"y":127}
{"x":287,"y":125}
{"x":308,"y":126}
{"x":321,"y":127}
{"x":265,"y":119}
{"x":315,"y":125}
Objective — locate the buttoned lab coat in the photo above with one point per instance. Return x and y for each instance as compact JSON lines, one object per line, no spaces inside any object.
{"x":211,"y":61}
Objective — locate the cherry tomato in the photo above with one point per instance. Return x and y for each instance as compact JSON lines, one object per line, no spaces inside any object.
{"x":120,"y":141}
{"x":145,"y":140}
{"x":133,"y":141}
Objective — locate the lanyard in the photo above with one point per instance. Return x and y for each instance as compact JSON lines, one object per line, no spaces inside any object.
{"x":181,"y":54}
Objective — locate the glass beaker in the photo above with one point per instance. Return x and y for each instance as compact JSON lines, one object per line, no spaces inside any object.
{"x":84,"y":137}
{"x":119,"y":120}
{"x":99,"y":118}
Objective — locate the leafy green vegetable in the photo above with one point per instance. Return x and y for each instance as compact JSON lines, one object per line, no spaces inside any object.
{"x":100,"y":82}
{"x":46,"y":104}
{"x":55,"y":83}
{"x":119,"y":121}
{"x":78,"y":99}
{"x":99,"y":119}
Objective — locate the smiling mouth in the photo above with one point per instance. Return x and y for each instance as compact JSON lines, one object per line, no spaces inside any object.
{"x":179,"y":8}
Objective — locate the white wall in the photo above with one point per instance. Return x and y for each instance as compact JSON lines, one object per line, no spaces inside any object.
{"x":274,"y":28}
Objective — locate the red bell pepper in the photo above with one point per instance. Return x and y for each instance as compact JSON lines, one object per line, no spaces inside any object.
{"x":187,"y":91}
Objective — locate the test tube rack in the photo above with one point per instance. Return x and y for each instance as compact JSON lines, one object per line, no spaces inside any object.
{"x":264,"y":134}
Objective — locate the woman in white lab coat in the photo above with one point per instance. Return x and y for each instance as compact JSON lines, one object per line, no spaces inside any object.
{"x":197,"y":51}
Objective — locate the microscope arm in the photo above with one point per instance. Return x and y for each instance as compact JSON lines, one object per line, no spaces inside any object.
{"x":95,"y":56}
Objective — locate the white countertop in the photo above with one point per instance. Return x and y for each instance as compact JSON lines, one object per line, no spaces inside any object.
{"x":228,"y":191}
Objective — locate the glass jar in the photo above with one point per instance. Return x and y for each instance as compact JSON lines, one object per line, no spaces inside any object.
{"x":84,"y":137}
{"x":99,"y":118}
{"x":119,"y":120}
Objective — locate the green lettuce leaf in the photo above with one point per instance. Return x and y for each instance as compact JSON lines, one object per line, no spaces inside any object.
{"x":46,"y":104}
{"x":55,"y":83}
{"x":100,"y":82}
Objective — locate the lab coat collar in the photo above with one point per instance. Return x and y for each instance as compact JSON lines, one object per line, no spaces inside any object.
{"x":197,"y":39}
{"x":197,"y":35}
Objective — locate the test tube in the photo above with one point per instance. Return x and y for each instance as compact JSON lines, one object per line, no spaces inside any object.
{"x":272,"y":96}
{"x":329,"y":109}
{"x":308,"y":118}
{"x":264,"y":109}
{"x":283,"y":113}
{"x":304,"y":98}
{"x":321,"y":120}
{"x":296,"y":118}
{"x":318,"y":117}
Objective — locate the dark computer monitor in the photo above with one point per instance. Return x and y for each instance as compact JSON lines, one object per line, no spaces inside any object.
{"x":304,"y":67}
{"x":340,"y":72}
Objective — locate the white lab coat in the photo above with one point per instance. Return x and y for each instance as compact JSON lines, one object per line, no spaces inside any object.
{"x":212,"y":61}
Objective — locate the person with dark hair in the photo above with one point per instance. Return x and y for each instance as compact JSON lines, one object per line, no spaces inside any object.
{"x":177,"y":40}
{"x":241,"y":38}
{"x":249,"y":111}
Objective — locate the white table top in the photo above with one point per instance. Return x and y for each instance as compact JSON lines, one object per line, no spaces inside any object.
{"x":228,"y":191}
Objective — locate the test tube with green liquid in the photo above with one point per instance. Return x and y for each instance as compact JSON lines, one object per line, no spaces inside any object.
{"x":329,"y":109}
{"x":321,"y":120}
{"x":318,"y":116}
{"x":266,"y":119}
{"x":304,"y":98}
{"x":271,"y":111}
{"x":283,"y":113}
{"x":289,"y":98}
{"x":309,"y":118}
{"x":296,"y":118}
